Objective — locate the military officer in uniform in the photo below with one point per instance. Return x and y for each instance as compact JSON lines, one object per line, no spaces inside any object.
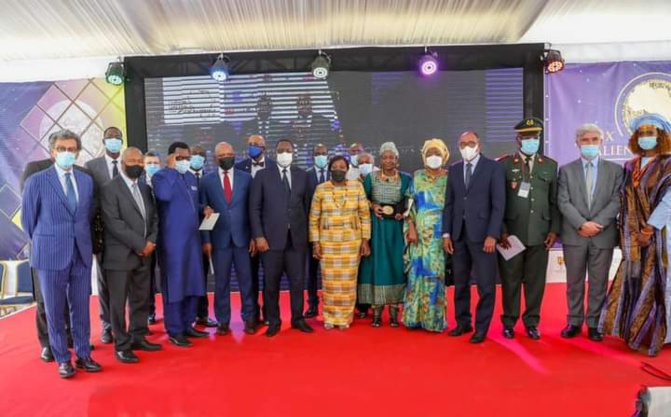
{"x":533,"y":216}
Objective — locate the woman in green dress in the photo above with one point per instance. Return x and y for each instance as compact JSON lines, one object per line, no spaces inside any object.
{"x":424,"y":305}
{"x":381,"y":276}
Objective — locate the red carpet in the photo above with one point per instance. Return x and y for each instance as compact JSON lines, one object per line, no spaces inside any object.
{"x":361,"y":371}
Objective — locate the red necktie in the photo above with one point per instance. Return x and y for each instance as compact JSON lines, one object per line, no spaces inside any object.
{"x":228,"y":191}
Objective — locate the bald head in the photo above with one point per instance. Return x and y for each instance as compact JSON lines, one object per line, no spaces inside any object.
{"x":131,"y":153}
{"x":223,"y":149}
{"x":132,"y":162}
{"x":257,"y":140}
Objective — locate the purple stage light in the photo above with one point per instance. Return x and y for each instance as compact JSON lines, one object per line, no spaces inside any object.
{"x":428,"y":63}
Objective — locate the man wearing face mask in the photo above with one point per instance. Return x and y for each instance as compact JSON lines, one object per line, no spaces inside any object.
{"x":355,"y":150}
{"x":229,"y":244}
{"x":278,"y":211}
{"x":131,"y":229}
{"x":263,"y":124}
{"x":179,"y":247}
{"x":105,"y":168}
{"x":317,"y":174}
{"x":257,"y":161}
{"x":152,"y":164}
{"x":475,"y":200}
{"x":532,"y":216}
{"x":366,"y":166}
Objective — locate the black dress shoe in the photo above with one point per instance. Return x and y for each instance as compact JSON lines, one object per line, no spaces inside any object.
{"x":206,"y":321}
{"x":88,"y":364}
{"x":594,"y":334}
{"x":273,"y":329}
{"x":533,"y":333}
{"x":361,"y":314}
{"x":106,"y":337}
{"x":460,"y":330}
{"x":195,"y":333}
{"x":47,"y":355}
{"x":223,"y":330}
{"x":302,"y":326}
{"x":180,"y":341}
{"x":311,"y":312}
{"x":251,"y":326}
{"x":145,"y":345}
{"x":126,"y":356}
{"x":478,"y":337}
{"x":508,"y":333}
{"x":65,"y":370}
{"x":570,"y":331}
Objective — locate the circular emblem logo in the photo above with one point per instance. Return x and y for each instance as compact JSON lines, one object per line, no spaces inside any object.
{"x":647,"y":93}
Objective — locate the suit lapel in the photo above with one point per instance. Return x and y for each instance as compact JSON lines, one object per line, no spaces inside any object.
{"x":56,"y":183}
{"x":599,"y":181}
{"x":582,"y":185}
{"x":478,"y":169}
{"x":124,"y":190}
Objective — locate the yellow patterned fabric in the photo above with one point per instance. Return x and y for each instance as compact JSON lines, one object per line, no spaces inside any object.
{"x":339,"y":220}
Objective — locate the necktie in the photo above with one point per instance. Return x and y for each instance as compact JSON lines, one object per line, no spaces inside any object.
{"x":589,"y":182}
{"x":115,"y":168}
{"x":228,"y":190}
{"x":258,"y":164}
{"x":469,"y":172}
{"x":321,"y":176}
{"x":198,"y":178}
{"x":285,"y":182}
{"x":138,"y":199}
{"x":527,"y":163}
{"x":70,"y":192}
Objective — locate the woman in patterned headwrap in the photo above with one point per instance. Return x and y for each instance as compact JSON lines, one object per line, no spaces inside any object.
{"x":638,"y":306}
{"x":381,"y":276}
{"x":424,"y":305}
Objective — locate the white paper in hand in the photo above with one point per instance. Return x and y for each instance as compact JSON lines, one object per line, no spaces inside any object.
{"x":516,"y":247}
{"x":209,"y":222}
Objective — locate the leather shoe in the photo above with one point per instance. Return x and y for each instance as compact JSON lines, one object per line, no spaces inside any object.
{"x":460,"y":330}
{"x":126,"y":356}
{"x":361,"y":314}
{"x":145,"y":345}
{"x":302,"y":326}
{"x":88,"y":364}
{"x":251,"y":326}
{"x":478,"y":337}
{"x":273,"y":329}
{"x":311,"y":312}
{"x":106,"y":337}
{"x":206,"y":321}
{"x":570,"y":331}
{"x":223,"y":330}
{"x":533,"y":333}
{"x":180,"y":341}
{"x":65,"y":370}
{"x":508,"y":333}
{"x":47,"y":355}
{"x":594,"y":334}
{"x":195,"y":333}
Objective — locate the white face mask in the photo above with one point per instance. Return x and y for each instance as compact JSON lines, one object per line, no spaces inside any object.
{"x":434,"y":161}
{"x":365,"y":169}
{"x":469,"y":153}
{"x":284,"y":159}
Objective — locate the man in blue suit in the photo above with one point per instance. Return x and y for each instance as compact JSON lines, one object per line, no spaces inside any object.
{"x":474,"y":206}
{"x":57,"y":209}
{"x":180,"y":256}
{"x":278,"y":211}
{"x":226,"y":192}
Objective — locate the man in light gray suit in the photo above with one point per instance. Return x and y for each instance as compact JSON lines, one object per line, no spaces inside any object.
{"x":589,"y":202}
{"x":103,"y":169}
{"x":131,"y":229}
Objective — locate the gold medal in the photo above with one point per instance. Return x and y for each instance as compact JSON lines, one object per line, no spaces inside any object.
{"x":387,"y":210}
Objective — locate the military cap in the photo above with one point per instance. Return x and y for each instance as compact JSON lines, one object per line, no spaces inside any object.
{"x":530,"y":124}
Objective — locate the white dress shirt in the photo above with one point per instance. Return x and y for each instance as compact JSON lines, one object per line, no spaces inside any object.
{"x":61,"y":177}
{"x":110,"y":165}
{"x":288,"y":174}
{"x":256,"y":169}
{"x":230,"y":176}
{"x":473,"y":163}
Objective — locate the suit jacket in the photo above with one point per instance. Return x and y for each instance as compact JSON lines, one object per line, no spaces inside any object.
{"x":313,"y":180}
{"x":271,"y":215}
{"x":99,"y":171}
{"x":572,"y":199}
{"x":232,"y":228}
{"x":480,"y":207}
{"x":246,"y":165}
{"x":276,"y":130}
{"x":318,"y":131}
{"x":126,"y":231}
{"x":33,"y":167}
{"x":56,"y":232}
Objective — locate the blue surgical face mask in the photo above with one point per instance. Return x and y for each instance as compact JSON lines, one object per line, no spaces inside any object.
{"x":152,"y":169}
{"x":353,"y":159}
{"x":65,"y":160}
{"x":254,"y":151}
{"x":647,"y":142}
{"x":321,"y":161}
{"x":197,"y":162}
{"x":589,"y":151}
{"x":113,"y":145}
{"x":530,"y":146}
{"x":182,"y":166}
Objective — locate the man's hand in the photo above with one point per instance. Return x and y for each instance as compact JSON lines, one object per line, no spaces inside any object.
{"x":207,"y":211}
{"x":262,"y":245}
{"x":170,"y":161}
{"x":252,"y":247}
{"x":447,"y":245}
{"x":504,"y":241}
{"x":149,"y":247}
{"x":317,"y":251}
{"x":411,"y":236}
{"x":207,"y":249}
{"x":365,"y":248}
{"x":589,"y":229}
{"x":490,"y":245}
{"x":550,"y":240}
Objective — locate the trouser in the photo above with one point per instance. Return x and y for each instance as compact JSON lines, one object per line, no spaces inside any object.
{"x":203,"y":303}
{"x":259,"y":310}
{"x":41,"y":313}
{"x":103,"y":296}
{"x":224,"y":260}
{"x":312,"y":279}
{"x":132,"y":286}
{"x":179,"y":315}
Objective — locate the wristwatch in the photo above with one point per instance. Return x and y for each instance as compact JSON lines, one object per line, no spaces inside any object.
{"x":446,"y":235}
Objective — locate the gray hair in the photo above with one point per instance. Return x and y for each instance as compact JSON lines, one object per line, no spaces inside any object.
{"x":588,"y":128}
{"x":367,"y":154}
{"x":64,"y":134}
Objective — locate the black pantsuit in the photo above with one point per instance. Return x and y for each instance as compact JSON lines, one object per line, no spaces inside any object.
{"x":276,"y":262}
{"x":133,"y":286}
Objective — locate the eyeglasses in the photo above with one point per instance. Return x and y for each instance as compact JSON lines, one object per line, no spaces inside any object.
{"x":60,"y":149}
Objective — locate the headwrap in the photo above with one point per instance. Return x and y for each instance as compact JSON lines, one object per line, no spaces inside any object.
{"x":651,"y":119}
{"x":435,"y":144}
{"x":388,"y":146}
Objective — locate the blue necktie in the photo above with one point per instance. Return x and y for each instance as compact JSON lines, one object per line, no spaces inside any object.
{"x":70,"y":192}
{"x":321,"y":176}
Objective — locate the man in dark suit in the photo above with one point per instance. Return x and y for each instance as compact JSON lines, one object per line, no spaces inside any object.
{"x":278,"y":211}
{"x":103,"y":169}
{"x":229,"y":244}
{"x":56,"y":212}
{"x":131,"y":229}
{"x":152,"y":164}
{"x":475,"y":201}
{"x":310,"y":127}
{"x":317,"y":174}
{"x":263,"y":124}
{"x":257,"y":161}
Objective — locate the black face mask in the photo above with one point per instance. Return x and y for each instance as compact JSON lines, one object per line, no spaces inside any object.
{"x":134,"y":171}
{"x":338,"y":176}
{"x":227,"y":162}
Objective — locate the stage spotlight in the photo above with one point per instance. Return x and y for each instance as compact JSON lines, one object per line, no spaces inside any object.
{"x":553,"y":61}
{"x":116,"y":73}
{"x":220,"y":69}
{"x":428,"y":63}
{"x":321,"y":66}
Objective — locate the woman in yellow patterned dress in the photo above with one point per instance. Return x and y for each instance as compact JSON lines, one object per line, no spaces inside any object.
{"x":339,"y":232}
